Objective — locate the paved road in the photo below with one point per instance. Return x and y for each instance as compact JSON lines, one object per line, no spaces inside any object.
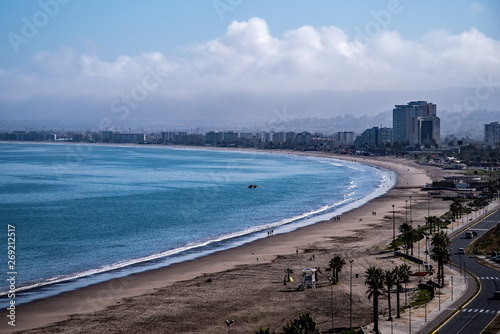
{"x":478,"y":313}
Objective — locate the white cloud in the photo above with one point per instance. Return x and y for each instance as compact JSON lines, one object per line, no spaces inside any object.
{"x":249,"y":59}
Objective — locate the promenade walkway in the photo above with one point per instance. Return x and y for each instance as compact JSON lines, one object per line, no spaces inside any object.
{"x":448,"y":300}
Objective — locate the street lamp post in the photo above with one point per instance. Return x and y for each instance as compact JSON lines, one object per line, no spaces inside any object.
{"x":411,"y":221}
{"x":418,"y":245}
{"x":409,"y":321}
{"x":426,"y":247}
{"x":460,"y":263}
{"x":428,"y":204}
{"x":393,"y":230}
{"x":332,"y":280}
{"x":406,"y":211}
{"x":451,"y":288}
{"x":465,"y":272}
{"x":350,"y":297}
{"x":406,"y":304}
{"x":439,"y":298}
{"x":228,"y":324}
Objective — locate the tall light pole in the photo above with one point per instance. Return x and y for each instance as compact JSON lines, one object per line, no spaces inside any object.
{"x":460,"y":262}
{"x":228,"y":324}
{"x":409,"y":321}
{"x":451,"y":288}
{"x":332,"y":280}
{"x":350,"y":297}
{"x":426,"y":248}
{"x":418,"y":244}
{"x":428,"y":204}
{"x":393,"y":230}
{"x":411,"y":221}
{"x":406,"y":211}
{"x":465,"y":272}
{"x":439,"y":298}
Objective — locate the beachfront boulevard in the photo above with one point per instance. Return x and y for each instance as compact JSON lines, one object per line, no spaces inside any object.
{"x":479,"y":312}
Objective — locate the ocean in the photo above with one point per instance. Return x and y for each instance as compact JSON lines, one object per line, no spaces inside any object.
{"x":87,"y":213}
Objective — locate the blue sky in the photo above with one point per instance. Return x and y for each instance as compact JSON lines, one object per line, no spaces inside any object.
{"x":104,"y":49}
{"x":113,"y":28}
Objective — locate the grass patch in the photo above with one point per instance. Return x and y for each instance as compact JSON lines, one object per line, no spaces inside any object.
{"x":350,"y":331}
{"x":486,"y":243}
{"x":422,"y":297}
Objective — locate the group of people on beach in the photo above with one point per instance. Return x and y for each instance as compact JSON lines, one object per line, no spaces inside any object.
{"x":269,"y":233}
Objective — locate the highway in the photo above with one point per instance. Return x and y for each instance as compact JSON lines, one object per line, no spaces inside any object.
{"x":475,"y":316}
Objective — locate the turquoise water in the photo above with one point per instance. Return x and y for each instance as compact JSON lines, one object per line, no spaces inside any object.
{"x":104,"y":211}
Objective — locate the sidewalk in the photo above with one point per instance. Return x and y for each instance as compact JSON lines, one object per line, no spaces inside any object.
{"x":424,"y":318}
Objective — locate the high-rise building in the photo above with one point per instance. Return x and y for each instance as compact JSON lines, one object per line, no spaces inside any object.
{"x":492,"y":134}
{"x":429,"y":130}
{"x":344,"y":139}
{"x":375,"y":137}
{"x":410,"y":119}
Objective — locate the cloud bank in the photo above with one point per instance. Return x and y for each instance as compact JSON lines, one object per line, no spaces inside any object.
{"x":249,"y":60}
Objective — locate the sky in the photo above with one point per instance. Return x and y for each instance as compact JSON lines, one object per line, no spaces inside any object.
{"x":242,"y":59}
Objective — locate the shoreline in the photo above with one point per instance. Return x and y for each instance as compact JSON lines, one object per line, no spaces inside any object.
{"x":133,"y":267}
{"x":101,"y":295}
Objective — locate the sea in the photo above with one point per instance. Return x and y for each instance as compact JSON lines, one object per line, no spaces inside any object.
{"x":84,"y":214}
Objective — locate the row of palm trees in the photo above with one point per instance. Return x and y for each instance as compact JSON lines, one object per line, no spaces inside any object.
{"x":380,"y":282}
{"x":410,"y":235}
{"x":441,"y":253}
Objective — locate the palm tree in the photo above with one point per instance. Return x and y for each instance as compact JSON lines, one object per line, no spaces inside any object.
{"x":375,"y":282}
{"x":389,"y":279}
{"x":434,"y":223}
{"x":305,"y":324}
{"x":409,"y":236}
{"x":336,"y":264}
{"x":261,"y":330}
{"x":401,"y":274}
{"x":456,"y":208}
{"x":440,"y":253}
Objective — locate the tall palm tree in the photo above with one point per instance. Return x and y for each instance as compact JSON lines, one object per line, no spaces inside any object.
{"x":389,"y":279}
{"x":441,"y":253}
{"x":409,"y":236}
{"x":336,"y":264}
{"x":456,"y":208}
{"x":401,"y":274}
{"x":434,"y":223}
{"x":375,"y":281}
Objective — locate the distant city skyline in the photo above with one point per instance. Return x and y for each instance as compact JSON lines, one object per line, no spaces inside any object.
{"x":224,"y":59}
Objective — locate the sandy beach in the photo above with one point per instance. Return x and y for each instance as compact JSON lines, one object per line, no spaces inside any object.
{"x":246,"y":283}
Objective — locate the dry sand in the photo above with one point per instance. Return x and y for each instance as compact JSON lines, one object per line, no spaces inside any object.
{"x":246,"y":283}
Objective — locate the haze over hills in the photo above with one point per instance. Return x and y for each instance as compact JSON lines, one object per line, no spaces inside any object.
{"x":248,"y":109}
